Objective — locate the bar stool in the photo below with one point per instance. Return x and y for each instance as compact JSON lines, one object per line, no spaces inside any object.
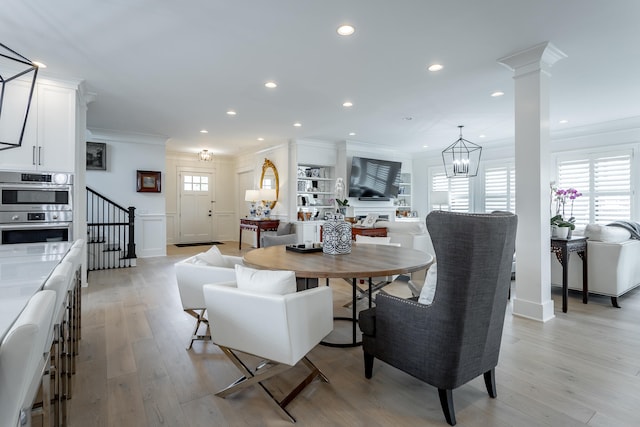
{"x":60,"y":281}
{"x":24,"y":355}
{"x":74,"y":258}
{"x":80,"y":244}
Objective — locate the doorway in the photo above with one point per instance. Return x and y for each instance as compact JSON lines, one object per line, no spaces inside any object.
{"x":196,"y":206}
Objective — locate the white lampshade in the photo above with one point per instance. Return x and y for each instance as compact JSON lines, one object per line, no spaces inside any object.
{"x":440,"y":198}
{"x":252,"y":195}
{"x":268,"y":194}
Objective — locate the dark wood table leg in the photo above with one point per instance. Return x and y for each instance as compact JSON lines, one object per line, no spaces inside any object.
{"x":585,"y":278}
{"x":354,"y":310}
{"x":240,"y":239}
{"x":258,"y":237}
{"x":565,"y":278}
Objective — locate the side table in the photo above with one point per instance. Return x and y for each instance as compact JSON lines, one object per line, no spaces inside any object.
{"x":257,"y":225}
{"x":562,"y":248}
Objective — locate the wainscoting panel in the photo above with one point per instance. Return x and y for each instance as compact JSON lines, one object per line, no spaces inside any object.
{"x":227,"y":226}
{"x":151,"y":235}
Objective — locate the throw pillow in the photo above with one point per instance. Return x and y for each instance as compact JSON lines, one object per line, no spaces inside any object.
{"x":212,"y":257}
{"x":373,"y":240}
{"x":429,"y":288}
{"x":265,"y":281}
{"x":603,"y":233}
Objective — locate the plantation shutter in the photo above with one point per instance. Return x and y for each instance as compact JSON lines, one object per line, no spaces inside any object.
{"x":605,"y":183}
{"x":458,"y":189}
{"x":499,"y":188}
{"x":612,"y":189}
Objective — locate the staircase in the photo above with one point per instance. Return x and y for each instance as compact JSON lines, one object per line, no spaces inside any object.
{"x":110,"y":233}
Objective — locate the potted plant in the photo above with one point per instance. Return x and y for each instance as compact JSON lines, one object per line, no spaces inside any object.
{"x":563,"y":227}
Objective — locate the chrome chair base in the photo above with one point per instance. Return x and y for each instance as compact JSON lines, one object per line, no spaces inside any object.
{"x":264,"y":371}
{"x":200,"y":319}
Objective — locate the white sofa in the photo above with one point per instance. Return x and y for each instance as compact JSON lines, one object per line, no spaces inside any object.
{"x":613,"y":261}
{"x":409,"y":234}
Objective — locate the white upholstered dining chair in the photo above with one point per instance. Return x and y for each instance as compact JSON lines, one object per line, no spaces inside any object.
{"x":191,"y":274}
{"x":281,"y":328}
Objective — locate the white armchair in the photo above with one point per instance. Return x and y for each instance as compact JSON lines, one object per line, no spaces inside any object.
{"x":280,"y":328}
{"x":191,"y":274}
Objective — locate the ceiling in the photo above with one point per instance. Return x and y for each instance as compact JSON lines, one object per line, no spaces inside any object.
{"x":172,"y":68}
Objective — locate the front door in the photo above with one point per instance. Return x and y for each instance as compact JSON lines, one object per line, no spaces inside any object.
{"x":197,"y":205}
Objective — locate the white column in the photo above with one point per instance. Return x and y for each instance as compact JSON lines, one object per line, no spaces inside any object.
{"x":533,"y":276}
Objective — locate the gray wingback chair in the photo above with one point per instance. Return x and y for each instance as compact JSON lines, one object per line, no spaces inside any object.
{"x":457,"y":337}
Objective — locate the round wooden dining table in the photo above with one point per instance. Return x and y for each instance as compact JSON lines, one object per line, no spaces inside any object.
{"x":364,"y":261}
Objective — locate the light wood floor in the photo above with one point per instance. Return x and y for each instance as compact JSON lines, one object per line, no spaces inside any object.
{"x":582,"y":368}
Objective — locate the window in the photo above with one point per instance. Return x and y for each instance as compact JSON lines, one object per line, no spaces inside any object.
{"x":195,"y":183}
{"x":500,"y":188}
{"x":604,"y":179}
{"x":458,"y":189}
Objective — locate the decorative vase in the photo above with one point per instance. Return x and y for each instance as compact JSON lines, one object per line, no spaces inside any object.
{"x":562,"y":232}
{"x":336,"y":236}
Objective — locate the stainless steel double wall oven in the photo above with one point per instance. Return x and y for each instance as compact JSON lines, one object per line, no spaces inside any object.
{"x":35,"y":207}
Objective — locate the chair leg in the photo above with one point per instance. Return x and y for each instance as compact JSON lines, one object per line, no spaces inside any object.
{"x":614,"y":302}
{"x":200,"y":319}
{"x":446,"y":401}
{"x":258,"y":375}
{"x":368,"y":365}
{"x":490,"y":382}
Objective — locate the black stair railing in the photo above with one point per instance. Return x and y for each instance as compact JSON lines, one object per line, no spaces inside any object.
{"x":110,"y":233}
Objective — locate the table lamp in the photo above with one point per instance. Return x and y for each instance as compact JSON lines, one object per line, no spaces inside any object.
{"x":267,"y":195}
{"x":440,"y":198}
{"x":252,"y":196}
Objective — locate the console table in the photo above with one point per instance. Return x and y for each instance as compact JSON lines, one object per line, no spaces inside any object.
{"x":562,"y":248}
{"x":257,"y":225}
{"x":371,"y":232}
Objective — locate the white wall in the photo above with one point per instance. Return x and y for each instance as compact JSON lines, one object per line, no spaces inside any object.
{"x":224,"y":217}
{"x":125,"y":155}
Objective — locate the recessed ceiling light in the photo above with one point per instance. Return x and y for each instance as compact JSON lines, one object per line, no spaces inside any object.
{"x":482,"y":136}
{"x":435,"y":67}
{"x":271,"y":85}
{"x":231,"y":113}
{"x":407,"y":118}
{"x":346,"y":30}
{"x":204,"y":131}
{"x":297,"y":124}
{"x":425,"y":146}
{"x":563,"y":121}
{"x":39,"y":64}
{"x":497,"y":93}
{"x":347,"y":104}
{"x":260,"y":139}
{"x":352,"y":134}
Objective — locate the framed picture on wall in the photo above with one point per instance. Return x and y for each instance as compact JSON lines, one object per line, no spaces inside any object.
{"x":96,"y":156}
{"x":148,"y":182}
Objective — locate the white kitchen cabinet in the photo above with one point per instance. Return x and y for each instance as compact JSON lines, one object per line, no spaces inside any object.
{"x":49,"y":139}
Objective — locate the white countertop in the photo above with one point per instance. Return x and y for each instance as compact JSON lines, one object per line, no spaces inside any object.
{"x":23,"y":270}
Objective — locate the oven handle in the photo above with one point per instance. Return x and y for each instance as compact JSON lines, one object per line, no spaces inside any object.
{"x":43,"y":186}
{"x":31,"y":226}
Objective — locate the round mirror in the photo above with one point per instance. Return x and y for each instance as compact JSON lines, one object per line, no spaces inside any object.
{"x":269,"y":179}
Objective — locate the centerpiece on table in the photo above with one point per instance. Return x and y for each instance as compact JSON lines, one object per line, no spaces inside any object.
{"x":561,"y":226}
{"x":336,"y":232}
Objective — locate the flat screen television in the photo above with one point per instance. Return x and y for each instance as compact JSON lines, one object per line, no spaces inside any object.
{"x":373,"y":179}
